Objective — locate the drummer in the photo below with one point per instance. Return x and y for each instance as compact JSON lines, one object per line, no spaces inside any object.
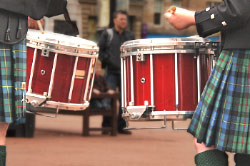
{"x":13,"y":31}
{"x":11,"y":110}
{"x":221,"y":121}
{"x":18,"y":51}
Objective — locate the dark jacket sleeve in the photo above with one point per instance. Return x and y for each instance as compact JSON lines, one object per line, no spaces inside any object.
{"x":103,"y":48}
{"x":132,"y":36}
{"x":56,"y":7}
{"x":100,"y":83}
{"x":229,"y":15}
{"x":105,"y":84}
{"x":35,"y":9}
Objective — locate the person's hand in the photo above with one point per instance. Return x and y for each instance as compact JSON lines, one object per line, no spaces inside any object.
{"x":180,"y":18}
{"x":33,"y":23}
{"x":111,"y":91}
{"x":96,"y":91}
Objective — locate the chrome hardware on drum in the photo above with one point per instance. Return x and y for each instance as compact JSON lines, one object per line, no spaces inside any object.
{"x":60,"y":70}
{"x":162,"y":77}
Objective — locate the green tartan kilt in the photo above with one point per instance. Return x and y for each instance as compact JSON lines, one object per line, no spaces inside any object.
{"x":223,"y":113}
{"x":13,"y":75}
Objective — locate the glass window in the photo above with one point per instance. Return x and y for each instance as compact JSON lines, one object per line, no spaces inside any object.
{"x":157,"y":11}
{"x":177,"y":3}
{"x":158,"y":6}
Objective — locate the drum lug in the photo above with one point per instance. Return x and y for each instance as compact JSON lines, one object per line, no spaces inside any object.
{"x":140,"y":57}
{"x":45,"y":52}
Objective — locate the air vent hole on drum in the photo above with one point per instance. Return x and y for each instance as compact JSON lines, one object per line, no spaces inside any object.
{"x":143,"y":80}
{"x":43,"y":72}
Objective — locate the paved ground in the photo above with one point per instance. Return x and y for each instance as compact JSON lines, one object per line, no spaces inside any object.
{"x":58,"y":142}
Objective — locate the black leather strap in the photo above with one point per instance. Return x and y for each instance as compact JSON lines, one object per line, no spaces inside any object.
{"x":73,"y":25}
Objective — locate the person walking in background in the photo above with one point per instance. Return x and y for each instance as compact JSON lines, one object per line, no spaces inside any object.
{"x":221,"y":121}
{"x":109,"y":54}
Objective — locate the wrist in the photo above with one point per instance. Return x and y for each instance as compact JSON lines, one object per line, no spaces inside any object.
{"x":191,"y":18}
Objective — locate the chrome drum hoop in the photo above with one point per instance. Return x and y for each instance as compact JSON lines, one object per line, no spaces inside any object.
{"x":62,"y":44}
{"x":168,"y":45}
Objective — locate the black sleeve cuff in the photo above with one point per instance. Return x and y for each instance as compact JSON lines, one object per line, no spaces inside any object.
{"x":209,"y":21}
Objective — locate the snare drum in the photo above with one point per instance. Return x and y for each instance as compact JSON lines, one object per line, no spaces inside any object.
{"x":60,"y":70}
{"x":164,"y":76}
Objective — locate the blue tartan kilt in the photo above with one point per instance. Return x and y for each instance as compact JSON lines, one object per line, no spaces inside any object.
{"x":12,"y":87}
{"x":223,"y":113}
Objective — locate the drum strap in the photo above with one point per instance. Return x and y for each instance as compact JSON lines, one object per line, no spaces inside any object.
{"x":110,"y":35}
{"x":73,"y":25}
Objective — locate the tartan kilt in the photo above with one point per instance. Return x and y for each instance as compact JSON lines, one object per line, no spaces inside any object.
{"x":223,"y":113}
{"x":13,"y":74}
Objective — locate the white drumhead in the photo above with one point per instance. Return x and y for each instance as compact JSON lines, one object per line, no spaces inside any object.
{"x":61,"y":43}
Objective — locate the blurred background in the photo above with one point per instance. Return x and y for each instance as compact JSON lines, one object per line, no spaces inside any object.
{"x":146,"y":17}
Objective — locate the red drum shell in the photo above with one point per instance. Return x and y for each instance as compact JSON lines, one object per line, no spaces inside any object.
{"x":72,"y":79}
{"x":162,"y":94}
{"x":164,"y":81}
{"x":62,"y":78}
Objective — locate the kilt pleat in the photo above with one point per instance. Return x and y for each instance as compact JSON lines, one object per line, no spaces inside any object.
{"x":13,"y":75}
{"x":222,"y":115}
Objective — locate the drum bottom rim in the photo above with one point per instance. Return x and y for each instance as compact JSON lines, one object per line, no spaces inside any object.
{"x":66,"y":106}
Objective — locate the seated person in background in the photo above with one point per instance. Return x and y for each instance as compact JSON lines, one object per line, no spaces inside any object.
{"x":100,"y":86}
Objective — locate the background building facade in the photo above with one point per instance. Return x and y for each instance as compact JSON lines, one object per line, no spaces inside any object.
{"x":146,"y":17}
